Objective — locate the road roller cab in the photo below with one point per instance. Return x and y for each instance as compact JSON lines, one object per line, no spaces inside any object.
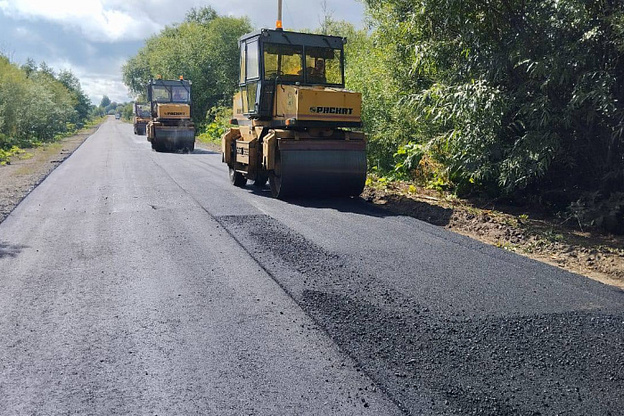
{"x":293,"y":118}
{"x":170,"y":128}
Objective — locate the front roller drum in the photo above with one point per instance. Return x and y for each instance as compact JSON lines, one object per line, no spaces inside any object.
{"x":319,"y":168}
{"x":172,"y":139}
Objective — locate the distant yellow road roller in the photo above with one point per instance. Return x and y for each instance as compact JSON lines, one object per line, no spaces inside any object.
{"x":294,"y":122}
{"x":141,"y":118}
{"x":170,"y":128}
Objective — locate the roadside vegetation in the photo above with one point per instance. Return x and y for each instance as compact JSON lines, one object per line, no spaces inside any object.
{"x":38,"y":106}
{"x":110,"y":108}
{"x":521,"y":101}
{"x":202,"y":49}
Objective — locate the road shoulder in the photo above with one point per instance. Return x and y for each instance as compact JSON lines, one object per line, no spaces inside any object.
{"x":28,"y":169}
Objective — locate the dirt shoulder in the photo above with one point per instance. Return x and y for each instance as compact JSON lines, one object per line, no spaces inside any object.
{"x":531,"y":234}
{"x":28,"y":169}
{"x":597,"y":256}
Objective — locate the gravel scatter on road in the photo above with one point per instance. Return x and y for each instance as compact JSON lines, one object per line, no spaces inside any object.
{"x":557,"y":363}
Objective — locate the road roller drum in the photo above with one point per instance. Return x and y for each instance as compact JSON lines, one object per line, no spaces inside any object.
{"x":325,"y":168}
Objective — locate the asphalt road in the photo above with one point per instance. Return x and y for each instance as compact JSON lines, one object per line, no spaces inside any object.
{"x":143,"y":283}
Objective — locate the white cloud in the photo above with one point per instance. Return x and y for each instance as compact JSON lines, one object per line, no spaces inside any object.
{"x":23,"y":32}
{"x":116,"y":20}
{"x":96,"y":88}
{"x":97,"y":20}
{"x":97,"y":84}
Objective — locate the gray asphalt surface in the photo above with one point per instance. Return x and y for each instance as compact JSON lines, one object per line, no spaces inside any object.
{"x":135,"y":282}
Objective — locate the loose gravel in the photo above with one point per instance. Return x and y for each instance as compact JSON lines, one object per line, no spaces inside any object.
{"x":564,"y":363}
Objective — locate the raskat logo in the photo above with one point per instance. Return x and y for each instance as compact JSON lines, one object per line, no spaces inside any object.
{"x":331,"y":110}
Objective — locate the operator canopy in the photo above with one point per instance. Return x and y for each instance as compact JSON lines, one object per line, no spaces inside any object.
{"x":291,"y":57}
{"x":171,"y":91}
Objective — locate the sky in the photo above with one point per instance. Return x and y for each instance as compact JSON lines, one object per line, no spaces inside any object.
{"x":94,"y":38}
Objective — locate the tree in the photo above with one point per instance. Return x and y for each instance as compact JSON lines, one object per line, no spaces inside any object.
{"x":327,"y":19}
{"x":82,"y":103}
{"x":111,"y":108}
{"x":203,"y":15}
{"x":29,"y":67}
{"x":46,"y":69}
{"x":203,"y":49}
{"x":510,"y":95}
{"x":34,"y":105}
{"x":105,"y":102}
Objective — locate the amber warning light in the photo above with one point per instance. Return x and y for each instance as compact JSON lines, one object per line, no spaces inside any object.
{"x":278,"y":23}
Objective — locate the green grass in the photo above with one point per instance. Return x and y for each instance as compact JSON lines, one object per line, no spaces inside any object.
{"x":207,"y":138}
{"x":7,"y":154}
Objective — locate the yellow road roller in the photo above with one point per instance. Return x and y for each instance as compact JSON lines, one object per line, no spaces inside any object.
{"x":170,"y":128}
{"x":141,"y":118}
{"x":294,"y":122}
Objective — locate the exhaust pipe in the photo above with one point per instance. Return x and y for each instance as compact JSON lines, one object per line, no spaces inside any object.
{"x":278,"y":24}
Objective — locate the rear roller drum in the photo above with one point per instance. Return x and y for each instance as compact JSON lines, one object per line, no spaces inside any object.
{"x":237,"y":178}
{"x":261,"y":181}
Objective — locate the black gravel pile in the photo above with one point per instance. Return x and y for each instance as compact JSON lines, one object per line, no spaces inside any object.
{"x":566,"y":363}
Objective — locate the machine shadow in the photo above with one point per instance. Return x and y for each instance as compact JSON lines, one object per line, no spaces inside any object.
{"x":202,"y":152}
{"x":10,"y":250}
{"x":358,"y":205}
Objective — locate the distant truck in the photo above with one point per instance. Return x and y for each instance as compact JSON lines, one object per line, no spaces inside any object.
{"x":117,"y":116}
{"x":141,"y":118}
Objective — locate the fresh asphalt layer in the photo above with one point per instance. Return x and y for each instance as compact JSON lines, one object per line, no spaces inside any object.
{"x":137,"y":282}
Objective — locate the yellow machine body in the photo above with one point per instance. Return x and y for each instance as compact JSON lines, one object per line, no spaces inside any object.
{"x":140,"y":120}
{"x":299,"y":103}
{"x":141,"y":117}
{"x":173,"y":111}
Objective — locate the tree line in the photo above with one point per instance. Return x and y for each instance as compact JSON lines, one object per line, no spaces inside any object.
{"x":37,"y":105}
{"x":519,"y":100}
{"x":108,"y":107}
{"x":203,"y":49}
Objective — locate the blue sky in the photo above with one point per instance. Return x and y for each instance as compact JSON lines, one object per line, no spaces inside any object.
{"x":93,"y":38}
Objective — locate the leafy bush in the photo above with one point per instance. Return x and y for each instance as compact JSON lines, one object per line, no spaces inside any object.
{"x":36,"y":106}
{"x":506,"y":95}
{"x":217,"y":122}
{"x":5,"y":155}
